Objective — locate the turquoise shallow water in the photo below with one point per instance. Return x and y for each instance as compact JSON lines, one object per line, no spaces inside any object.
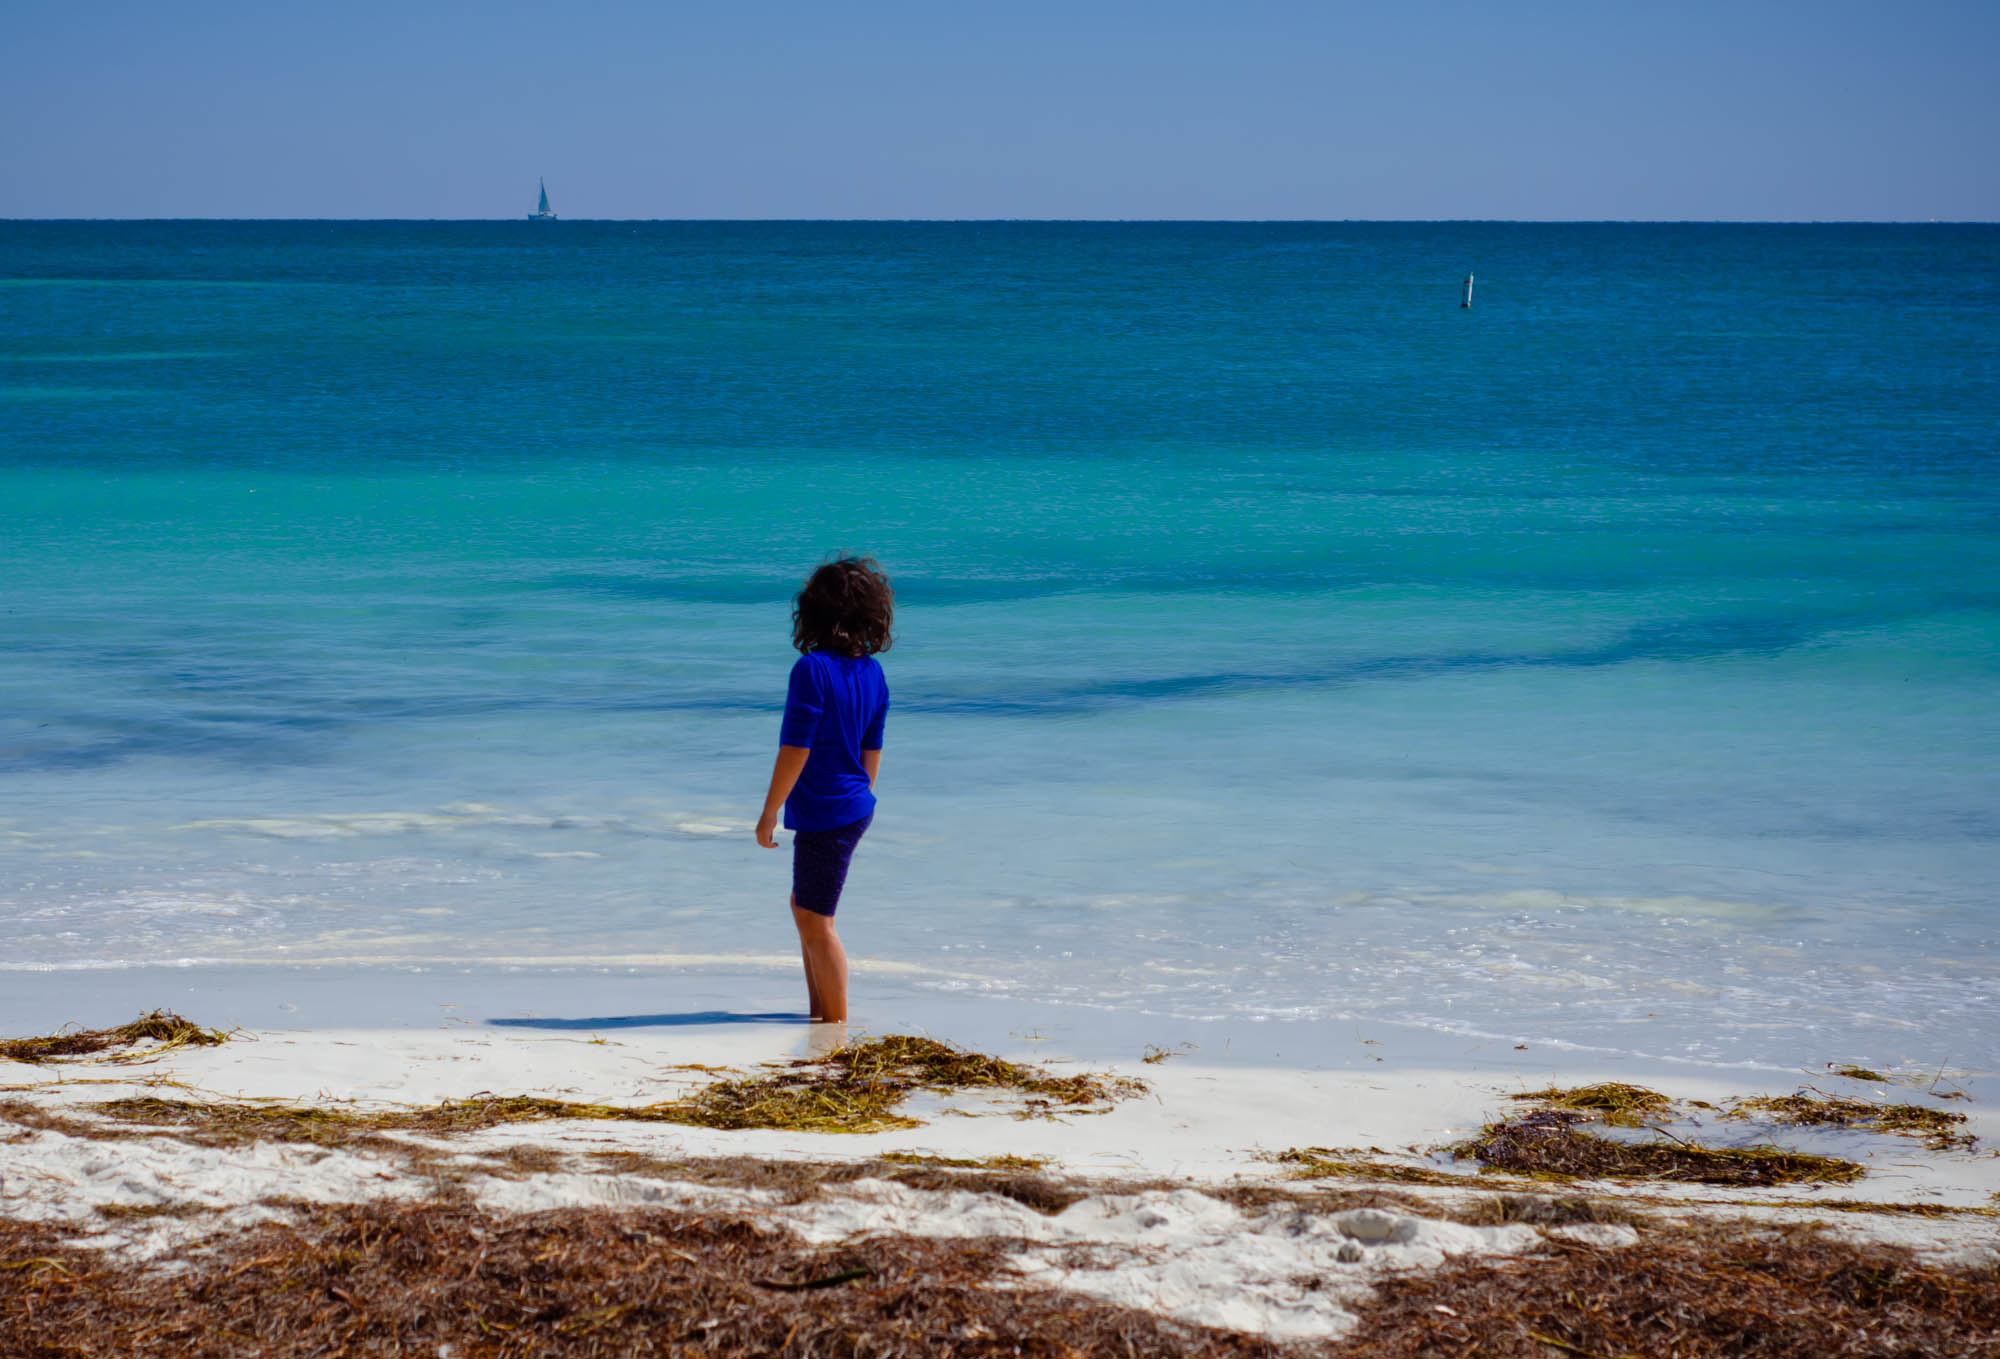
{"x":1609,"y":664}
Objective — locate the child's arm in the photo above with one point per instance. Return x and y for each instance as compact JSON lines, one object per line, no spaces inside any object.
{"x":785,"y":773}
{"x":871,"y":764}
{"x":783,"y":780}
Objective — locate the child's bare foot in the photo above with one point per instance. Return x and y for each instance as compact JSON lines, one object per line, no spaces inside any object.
{"x":826,"y":1037}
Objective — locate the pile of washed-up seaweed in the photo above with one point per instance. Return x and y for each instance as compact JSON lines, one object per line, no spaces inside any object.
{"x":444,"y":1278}
{"x":857,"y":1088}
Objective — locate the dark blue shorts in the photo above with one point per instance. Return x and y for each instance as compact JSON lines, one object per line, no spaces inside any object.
{"x":819,"y":865}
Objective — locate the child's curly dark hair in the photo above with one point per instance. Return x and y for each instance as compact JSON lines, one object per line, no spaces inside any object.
{"x":845,"y":608}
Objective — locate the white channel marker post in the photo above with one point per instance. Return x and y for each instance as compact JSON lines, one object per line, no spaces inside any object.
{"x":1468,"y":293}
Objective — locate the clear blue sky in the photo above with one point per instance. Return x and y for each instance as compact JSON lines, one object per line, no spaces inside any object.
{"x":878,"y":108}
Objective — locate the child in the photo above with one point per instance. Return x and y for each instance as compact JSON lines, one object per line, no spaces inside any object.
{"x":829,"y":751}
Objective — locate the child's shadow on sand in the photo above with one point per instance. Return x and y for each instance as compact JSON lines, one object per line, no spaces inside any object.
{"x":685,"y":1019}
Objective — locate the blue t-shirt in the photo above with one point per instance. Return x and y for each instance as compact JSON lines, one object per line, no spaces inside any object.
{"x":834,"y":707}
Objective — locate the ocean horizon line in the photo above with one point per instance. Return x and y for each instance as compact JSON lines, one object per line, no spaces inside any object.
{"x":1072,"y":221}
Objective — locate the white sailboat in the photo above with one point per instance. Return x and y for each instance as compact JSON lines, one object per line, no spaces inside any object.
{"x":542,"y":213}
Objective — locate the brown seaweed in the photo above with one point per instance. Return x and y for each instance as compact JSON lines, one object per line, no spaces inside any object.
{"x":164,"y":1027}
{"x":1547,"y":1143}
{"x":1938,"y":1129}
{"x":855,"y":1089}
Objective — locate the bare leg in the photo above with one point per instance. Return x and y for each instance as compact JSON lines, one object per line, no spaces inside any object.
{"x":826,"y":965}
{"x":813,"y":1005}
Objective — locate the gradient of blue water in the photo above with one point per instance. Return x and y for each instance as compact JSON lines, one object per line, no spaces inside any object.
{"x":1610,"y":663}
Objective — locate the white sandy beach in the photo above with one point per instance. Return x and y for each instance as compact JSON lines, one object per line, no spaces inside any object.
{"x":1150,"y":1230}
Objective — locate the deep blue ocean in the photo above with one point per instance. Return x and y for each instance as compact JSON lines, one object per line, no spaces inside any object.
{"x":1610,"y":663}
